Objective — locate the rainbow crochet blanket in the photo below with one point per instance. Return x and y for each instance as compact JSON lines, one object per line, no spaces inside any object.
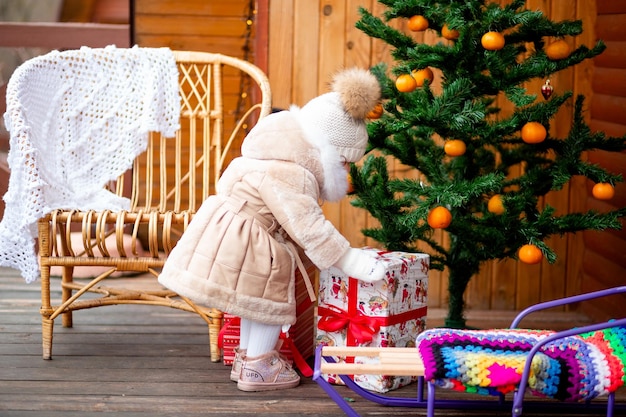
{"x":575,"y":368}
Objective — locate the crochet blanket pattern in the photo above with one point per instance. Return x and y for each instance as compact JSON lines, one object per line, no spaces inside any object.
{"x":576,"y":368}
{"x":77,"y":120}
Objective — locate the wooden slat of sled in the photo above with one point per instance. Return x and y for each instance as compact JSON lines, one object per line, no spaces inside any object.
{"x":391,"y":361}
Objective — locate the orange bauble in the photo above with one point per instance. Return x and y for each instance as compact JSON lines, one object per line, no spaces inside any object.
{"x":422,"y":75}
{"x":494,"y":205}
{"x":376,"y":112}
{"x":533,"y":132}
{"x":558,"y":50}
{"x":530,"y":254}
{"x":448,"y":33}
{"x":439,"y":218}
{"x":350,"y":184}
{"x":454,"y":147}
{"x":492,"y":41}
{"x":418,"y":23}
{"x":405,"y":83}
{"x":603,"y":191}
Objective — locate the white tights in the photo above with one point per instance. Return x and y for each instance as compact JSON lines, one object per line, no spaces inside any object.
{"x":258,"y":338}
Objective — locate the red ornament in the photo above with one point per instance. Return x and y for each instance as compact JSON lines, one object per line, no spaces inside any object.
{"x":546,"y":90}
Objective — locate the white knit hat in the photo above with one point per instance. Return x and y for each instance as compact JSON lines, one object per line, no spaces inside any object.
{"x":340,"y":114}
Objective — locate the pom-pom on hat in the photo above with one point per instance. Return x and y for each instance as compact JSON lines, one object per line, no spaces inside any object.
{"x":340,"y":114}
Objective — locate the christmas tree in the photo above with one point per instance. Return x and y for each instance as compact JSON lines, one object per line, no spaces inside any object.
{"x":479,"y":172}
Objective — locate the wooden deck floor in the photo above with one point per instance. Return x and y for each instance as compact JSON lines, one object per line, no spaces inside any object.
{"x":137,"y":361}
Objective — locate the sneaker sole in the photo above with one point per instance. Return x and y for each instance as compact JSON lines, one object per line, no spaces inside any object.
{"x":234,"y":376}
{"x":266,"y":386}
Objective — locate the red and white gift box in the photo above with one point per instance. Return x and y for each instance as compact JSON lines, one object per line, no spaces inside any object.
{"x":297,"y":345}
{"x":388,"y":313}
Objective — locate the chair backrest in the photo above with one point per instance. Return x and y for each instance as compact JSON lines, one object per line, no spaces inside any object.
{"x":221,"y":97}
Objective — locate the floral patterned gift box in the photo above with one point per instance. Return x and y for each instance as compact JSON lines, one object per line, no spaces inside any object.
{"x":391,"y":312}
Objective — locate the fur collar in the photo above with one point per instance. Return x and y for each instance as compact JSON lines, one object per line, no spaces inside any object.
{"x":335,"y":181}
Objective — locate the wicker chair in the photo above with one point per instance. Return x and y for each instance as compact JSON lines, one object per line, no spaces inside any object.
{"x":167,"y":184}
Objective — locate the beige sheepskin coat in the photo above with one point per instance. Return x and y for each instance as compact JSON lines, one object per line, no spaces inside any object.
{"x":237,"y":254}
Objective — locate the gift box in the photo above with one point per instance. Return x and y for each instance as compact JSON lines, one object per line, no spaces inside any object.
{"x":298,"y":344}
{"x":387,"y":313}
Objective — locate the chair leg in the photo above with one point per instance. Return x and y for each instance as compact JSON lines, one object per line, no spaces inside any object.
{"x":47,"y":327}
{"x":215,"y":326}
{"x":67,"y":277}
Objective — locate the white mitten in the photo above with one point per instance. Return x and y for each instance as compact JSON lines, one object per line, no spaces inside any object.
{"x":362,"y":265}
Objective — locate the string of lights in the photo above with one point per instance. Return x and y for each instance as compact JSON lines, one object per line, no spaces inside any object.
{"x":245,"y":82}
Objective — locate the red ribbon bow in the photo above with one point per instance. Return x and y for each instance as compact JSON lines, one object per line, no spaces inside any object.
{"x":360,"y":328}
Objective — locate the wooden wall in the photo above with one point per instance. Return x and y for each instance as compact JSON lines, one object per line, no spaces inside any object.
{"x":310,"y":40}
{"x":604,"y":260}
{"x":201,"y":25}
{"x":194,"y":25}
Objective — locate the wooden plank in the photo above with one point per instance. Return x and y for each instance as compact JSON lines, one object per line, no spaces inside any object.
{"x":609,"y":108}
{"x":614,"y":56}
{"x":610,"y":275}
{"x":613,"y":161}
{"x":217,"y":44}
{"x":610,"y":129}
{"x":112,"y":11}
{"x":190,"y":25}
{"x":63,"y":35}
{"x":305,"y":52}
{"x":609,"y":81}
{"x":281,"y":41}
{"x":610,"y":27}
{"x":358,"y":44}
{"x":611,"y":6}
{"x":610,"y":245}
{"x":332,"y":41}
{"x":191,"y":7}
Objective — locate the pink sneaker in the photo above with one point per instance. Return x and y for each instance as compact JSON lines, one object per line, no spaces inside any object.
{"x":267,"y":372}
{"x":235,"y":371}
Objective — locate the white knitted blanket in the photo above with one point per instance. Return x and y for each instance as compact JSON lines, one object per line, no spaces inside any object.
{"x":77,"y":120}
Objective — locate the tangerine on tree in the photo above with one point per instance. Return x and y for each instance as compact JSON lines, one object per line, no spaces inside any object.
{"x":495,"y":205}
{"x":439,"y":217}
{"x":603,"y":191}
{"x":350,"y":189}
{"x":405,"y":83}
{"x":422,"y":75}
{"x":492,"y":41}
{"x":530,"y":254}
{"x":558,"y":50}
{"x":376,"y":112}
{"x":418,"y":23}
{"x":454,"y":147}
{"x":533,"y":132}
{"x":450,"y":34}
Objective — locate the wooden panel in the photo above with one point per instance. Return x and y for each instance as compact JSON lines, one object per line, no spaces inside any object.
{"x":608,"y":108}
{"x":191,"y":7}
{"x":63,"y":35}
{"x":614,"y":56}
{"x":212,"y":26}
{"x":611,"y":6}
{"x":609,"y":81}
{"x":610,"y":27}
{"x":233,"y":26}
{"x":281,"y":45}
{"x":604,"y":261}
